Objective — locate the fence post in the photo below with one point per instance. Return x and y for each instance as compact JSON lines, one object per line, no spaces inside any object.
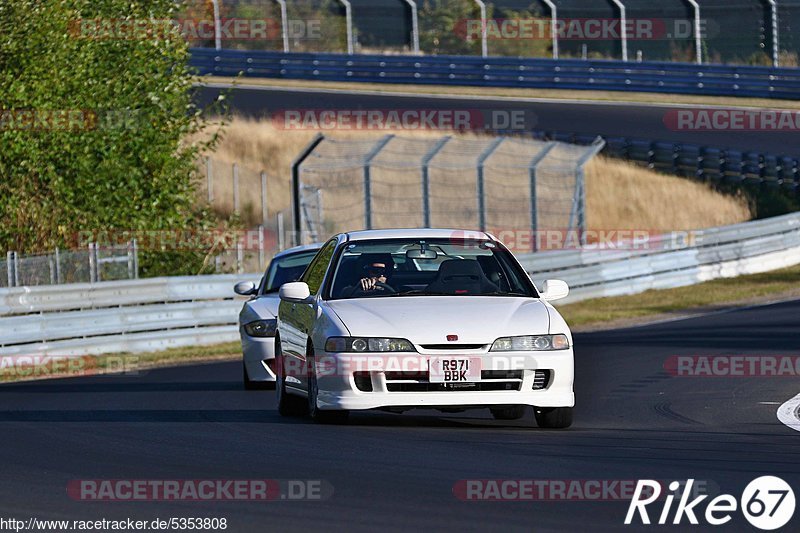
{"x":553,"y":25}
{"x":773,"y":8}
{"x":698,"y":39}
{"x":484,"y":35}
{"x":481,"y":189}
{"x":373,"y":153}
{"x":579,"y":203}
{"x":261,"y":251}
{"x":264,"y":216}
{"x":210,"y":179}
{"x":16,"y":269}
{"x":10,"y":267}
{"x":623,"y":20}
{"x":236,"y":188}
{"x":130,"y":260}
{"x":298,"y":223}
{"x":217,"y":29}
{"x":281,"y":232}
{"x":414,"y":25}
{"x":135,"y":245}
{"x":51,"y":264}
{"x":426,"y":185}
{"x":532,"y":174}
{"x":92,"y":263}
{"x":284,"y":26}
{"x":58,"y":266}
{"x":348,"y":16}
{"x":239,"y":257}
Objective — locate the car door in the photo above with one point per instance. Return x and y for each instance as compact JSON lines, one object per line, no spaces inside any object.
{"x":297,"y":319}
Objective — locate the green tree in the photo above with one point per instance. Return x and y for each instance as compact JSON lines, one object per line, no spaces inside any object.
{"x":95,"y":110}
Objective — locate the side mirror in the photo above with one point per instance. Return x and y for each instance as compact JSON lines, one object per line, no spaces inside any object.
{"x":554,"y":289}
{"x":245,"y":288}
{"x":295,"y":292}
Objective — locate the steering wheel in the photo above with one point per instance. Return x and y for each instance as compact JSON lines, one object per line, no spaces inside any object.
{"x":386,"y":289}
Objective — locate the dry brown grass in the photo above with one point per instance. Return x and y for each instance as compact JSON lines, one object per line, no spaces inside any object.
{"x":619,"y":194}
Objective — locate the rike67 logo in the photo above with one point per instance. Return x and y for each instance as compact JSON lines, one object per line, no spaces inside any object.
{"x":767,"y":503}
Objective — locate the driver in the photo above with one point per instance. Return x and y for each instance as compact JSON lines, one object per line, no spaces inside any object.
{"x":376,"y":273}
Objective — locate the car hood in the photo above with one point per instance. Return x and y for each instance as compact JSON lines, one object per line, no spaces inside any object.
{"x":266,"y":306}
{"x":429,"y":319}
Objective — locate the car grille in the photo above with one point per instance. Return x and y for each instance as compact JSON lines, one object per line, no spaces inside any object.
{"x":541,"y":379}
{"x":453,"y":347}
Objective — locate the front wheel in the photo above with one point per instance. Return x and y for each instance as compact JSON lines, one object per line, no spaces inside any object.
{"x":338,"y":416}
{"x":553,"y":417}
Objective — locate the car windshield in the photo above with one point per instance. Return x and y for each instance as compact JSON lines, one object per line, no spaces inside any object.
{"x":285,"y":269}
{"x":431,"y":267}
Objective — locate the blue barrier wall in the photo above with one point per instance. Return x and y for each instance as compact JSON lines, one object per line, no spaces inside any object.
{"x":680,"y":78}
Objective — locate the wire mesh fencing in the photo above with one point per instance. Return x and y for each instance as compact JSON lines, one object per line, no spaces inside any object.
{"x":88,"y":265}
{"x":496,"y":184}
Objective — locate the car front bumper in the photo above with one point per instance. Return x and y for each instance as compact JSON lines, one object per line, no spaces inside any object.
{"x":510,"y":378}
{"x":259,"y":357}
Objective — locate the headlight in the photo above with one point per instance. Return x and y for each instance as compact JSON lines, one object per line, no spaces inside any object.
{"x":362,"y":344}
{"x":531,"y":343}
{"x":261,"y":328}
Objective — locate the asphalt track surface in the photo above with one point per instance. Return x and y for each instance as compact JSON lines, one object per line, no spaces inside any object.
{"x":632,"y":120}
{"x":392,"y":472}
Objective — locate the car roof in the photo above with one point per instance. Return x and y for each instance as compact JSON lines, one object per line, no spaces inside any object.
{"x":298,"y":249}
{"x":427,"y":233}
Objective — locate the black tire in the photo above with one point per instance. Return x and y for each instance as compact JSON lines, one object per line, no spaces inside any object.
{"x":254,"y":385}
{"x":553,"y":417}
{"x":511,"y":412}
{"x":338,"y":416}
{"x":288,"y":404}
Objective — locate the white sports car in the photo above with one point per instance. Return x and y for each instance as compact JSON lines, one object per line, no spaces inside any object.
{"x":257,"y":319}
{"x":407,"y":319}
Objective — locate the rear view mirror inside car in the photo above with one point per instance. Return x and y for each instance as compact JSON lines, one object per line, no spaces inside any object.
{"x":421,"y":254}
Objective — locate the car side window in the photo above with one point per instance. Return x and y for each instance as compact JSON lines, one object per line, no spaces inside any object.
{"x":315,"y":273}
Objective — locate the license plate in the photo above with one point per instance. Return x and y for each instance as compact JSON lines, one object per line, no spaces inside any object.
{"x":454,"y":369}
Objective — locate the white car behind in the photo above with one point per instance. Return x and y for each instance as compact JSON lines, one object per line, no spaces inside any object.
{"x":405,"y":319}
{"x":257,"y":319}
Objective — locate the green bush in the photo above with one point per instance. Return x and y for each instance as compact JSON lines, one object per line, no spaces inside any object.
{"x":111,"y":114}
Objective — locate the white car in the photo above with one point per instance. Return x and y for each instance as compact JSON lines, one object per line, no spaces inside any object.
{"x":257,"y":318}
{"x":407,"y":319}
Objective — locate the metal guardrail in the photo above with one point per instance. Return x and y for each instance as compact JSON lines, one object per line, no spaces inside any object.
{"x":155,"y":314}
{"x":119,"y":316}
{"x":728,"y":251}
{"x":602,"y":75}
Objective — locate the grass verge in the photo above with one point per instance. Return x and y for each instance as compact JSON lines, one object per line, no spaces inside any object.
{"x":620,"y":311}
{"x":487,"y":92}
{"x":27,"y":368}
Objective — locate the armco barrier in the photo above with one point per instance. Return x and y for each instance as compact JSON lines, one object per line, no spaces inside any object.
{"x":728,"y":251}
{"x":603,"y":75}
{"x":155,"y":314}
{"x":119,"y":316}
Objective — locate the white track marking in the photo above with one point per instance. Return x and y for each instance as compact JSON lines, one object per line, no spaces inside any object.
{"x":787,"y":413}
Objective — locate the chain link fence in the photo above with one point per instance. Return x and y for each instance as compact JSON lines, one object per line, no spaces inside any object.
{"x":492,"y":184}
{"x":759,"y":32}
{"x":89,"y":265}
